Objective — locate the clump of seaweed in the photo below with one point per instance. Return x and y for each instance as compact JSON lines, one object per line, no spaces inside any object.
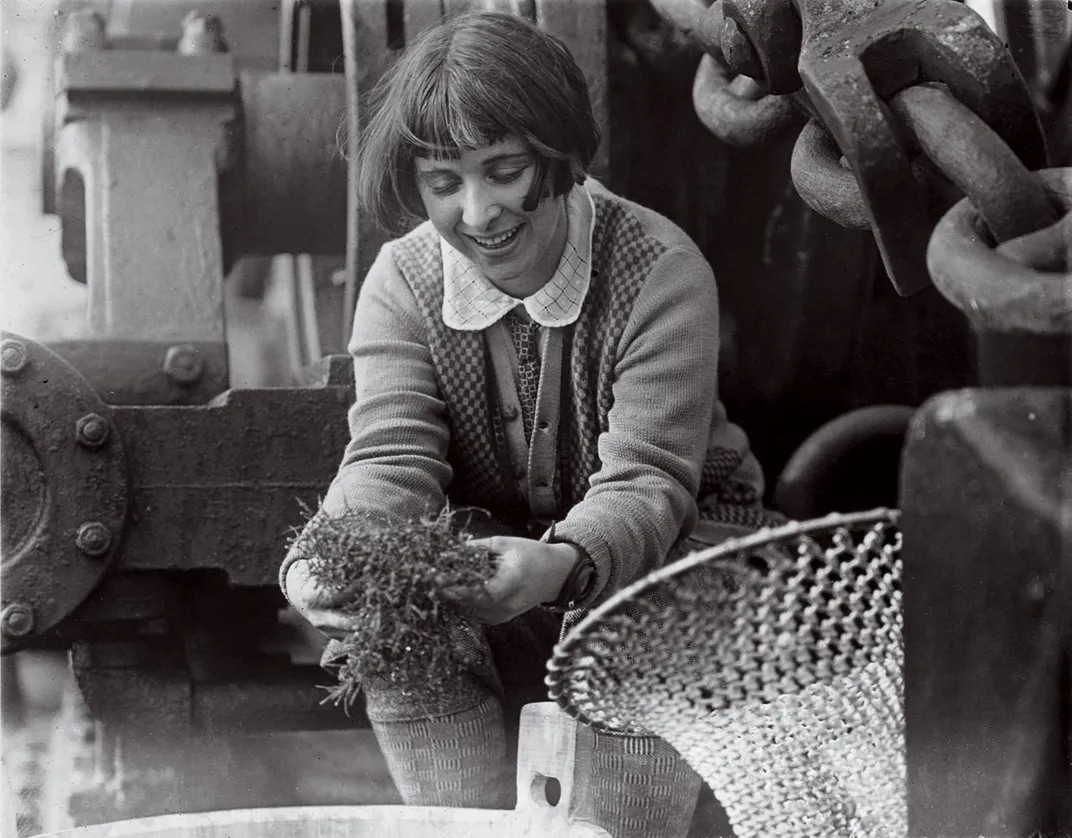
{"x":389,"y":573}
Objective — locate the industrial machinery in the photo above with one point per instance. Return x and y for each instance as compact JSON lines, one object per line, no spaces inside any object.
{"x":147,"y":504}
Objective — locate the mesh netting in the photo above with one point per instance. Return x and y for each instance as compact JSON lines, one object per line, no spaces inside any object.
{"x":773,"y":663}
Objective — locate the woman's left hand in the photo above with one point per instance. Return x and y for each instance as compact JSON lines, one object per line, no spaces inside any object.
{"x":529,"y":573}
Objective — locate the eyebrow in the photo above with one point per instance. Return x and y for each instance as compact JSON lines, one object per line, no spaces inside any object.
{"x":513,"y":156}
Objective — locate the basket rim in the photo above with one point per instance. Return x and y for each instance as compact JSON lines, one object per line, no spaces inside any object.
{"x":563,"y":650}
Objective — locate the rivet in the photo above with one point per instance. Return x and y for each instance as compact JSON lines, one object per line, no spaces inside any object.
{"x":183,"y":364}
{"x":92,"y":431}
{"x":1036,"y":589}
{"x":17,"y":620}
{"x":93,"y":538}
{"x":13,"y":356}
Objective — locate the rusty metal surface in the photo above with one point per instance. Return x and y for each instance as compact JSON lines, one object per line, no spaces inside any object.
{"x":219,"y":486}
{"x":699,"y":22}
{"x":985,"y":493}
{"x":65,"y":490}
{"x":128,"y":372}
{"x":293,"y":175}
{"x":828,"y":187}
{"x":142,"y":693}
{"x":729,"y":103}
{"x":996,"y":292}
{"x":772,"y":31}
{"x":736,"y":118}
{"x":853,"y":58}
{"x":1018,"y":295}
{"x":971,"y":154}
{"x":212,"y":488}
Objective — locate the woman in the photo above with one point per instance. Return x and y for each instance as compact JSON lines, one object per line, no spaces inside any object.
{"x":540,"y":348}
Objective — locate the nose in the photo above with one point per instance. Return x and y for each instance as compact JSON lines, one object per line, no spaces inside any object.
{"x":480,"y":207}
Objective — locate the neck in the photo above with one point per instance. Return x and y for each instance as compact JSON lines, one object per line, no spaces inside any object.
{"x":545,"y":268}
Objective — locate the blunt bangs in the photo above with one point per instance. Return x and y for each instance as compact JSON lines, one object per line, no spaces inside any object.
{"x":438,"y":125}
{"x":467,"y":84}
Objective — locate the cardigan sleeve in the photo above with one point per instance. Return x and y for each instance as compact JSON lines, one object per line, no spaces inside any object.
{"x":643,"y":497}
{"x":396,"y":460}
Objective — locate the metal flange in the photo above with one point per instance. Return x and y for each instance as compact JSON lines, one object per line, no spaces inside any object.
{"x":65,"y":490}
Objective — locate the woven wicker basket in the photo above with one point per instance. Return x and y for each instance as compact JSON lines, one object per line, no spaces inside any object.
{"x":774,"y":664}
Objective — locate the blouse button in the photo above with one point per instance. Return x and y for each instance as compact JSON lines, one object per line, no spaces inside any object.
{"x":519,"y":472}
{"x":510,"y":412}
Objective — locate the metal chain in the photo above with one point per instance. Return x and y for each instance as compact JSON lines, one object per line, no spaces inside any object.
{"x":735,"y":111}
{"x":895,"y":120}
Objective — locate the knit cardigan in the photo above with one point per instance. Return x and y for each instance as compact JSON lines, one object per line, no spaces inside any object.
{"x":642,"y":432}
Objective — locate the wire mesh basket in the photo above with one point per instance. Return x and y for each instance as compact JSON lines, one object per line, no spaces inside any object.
{"x":773,"y":663}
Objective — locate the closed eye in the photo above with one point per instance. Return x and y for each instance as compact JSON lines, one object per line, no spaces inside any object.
{"x":441,"y":185}
{"x":507,"y":175}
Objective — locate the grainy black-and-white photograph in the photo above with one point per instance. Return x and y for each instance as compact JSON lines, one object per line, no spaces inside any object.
{"x":536,"y":418}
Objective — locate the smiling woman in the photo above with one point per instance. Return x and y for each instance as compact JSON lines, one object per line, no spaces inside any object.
{"x":542,"y":349}
{"x":477,"y":203}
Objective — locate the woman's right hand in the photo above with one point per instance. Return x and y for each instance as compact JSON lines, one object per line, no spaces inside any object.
{"x":316,"y":603}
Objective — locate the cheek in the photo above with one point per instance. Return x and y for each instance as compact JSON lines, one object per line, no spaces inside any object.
{"x":439,"y":212}
{"x":544,"y":221}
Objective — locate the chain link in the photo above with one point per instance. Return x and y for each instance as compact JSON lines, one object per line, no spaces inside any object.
{"x":1023,"y":285}
{"x":729,"y":104}
{"x":906,"y":101}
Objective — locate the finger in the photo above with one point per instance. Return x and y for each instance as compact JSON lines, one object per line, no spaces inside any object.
{"x":497,"y":544}
{"x":332,"y":623}
{"x":486,"y":543}
{"x":463,"y":593}
{"x":305,"y":590}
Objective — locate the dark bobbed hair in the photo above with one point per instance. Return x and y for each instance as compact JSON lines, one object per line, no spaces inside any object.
{"x":463,"y":85}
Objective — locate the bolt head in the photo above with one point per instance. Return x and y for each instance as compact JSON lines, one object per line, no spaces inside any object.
{"x":17,"y":620}
{"x":83,"y":29}
{"x":93,"y":538}
{"x":92,"y":431}
{"x":183,"y":364}
{"x":13,"y":356}
{"x":201,"y":33}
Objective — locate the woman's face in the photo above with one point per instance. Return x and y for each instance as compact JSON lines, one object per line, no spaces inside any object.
{"x":474,"y":202}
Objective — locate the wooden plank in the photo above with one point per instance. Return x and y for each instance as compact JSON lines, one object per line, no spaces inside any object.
{"x":546,"y":750}
{"x":582,"y":25}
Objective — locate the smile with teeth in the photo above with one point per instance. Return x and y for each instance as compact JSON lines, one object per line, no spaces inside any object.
{"x":496,"y":242}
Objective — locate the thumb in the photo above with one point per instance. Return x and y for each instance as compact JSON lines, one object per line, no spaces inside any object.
{"x":494,"y":543}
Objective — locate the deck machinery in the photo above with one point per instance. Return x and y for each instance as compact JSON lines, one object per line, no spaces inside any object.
{"x":147,"y":504}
